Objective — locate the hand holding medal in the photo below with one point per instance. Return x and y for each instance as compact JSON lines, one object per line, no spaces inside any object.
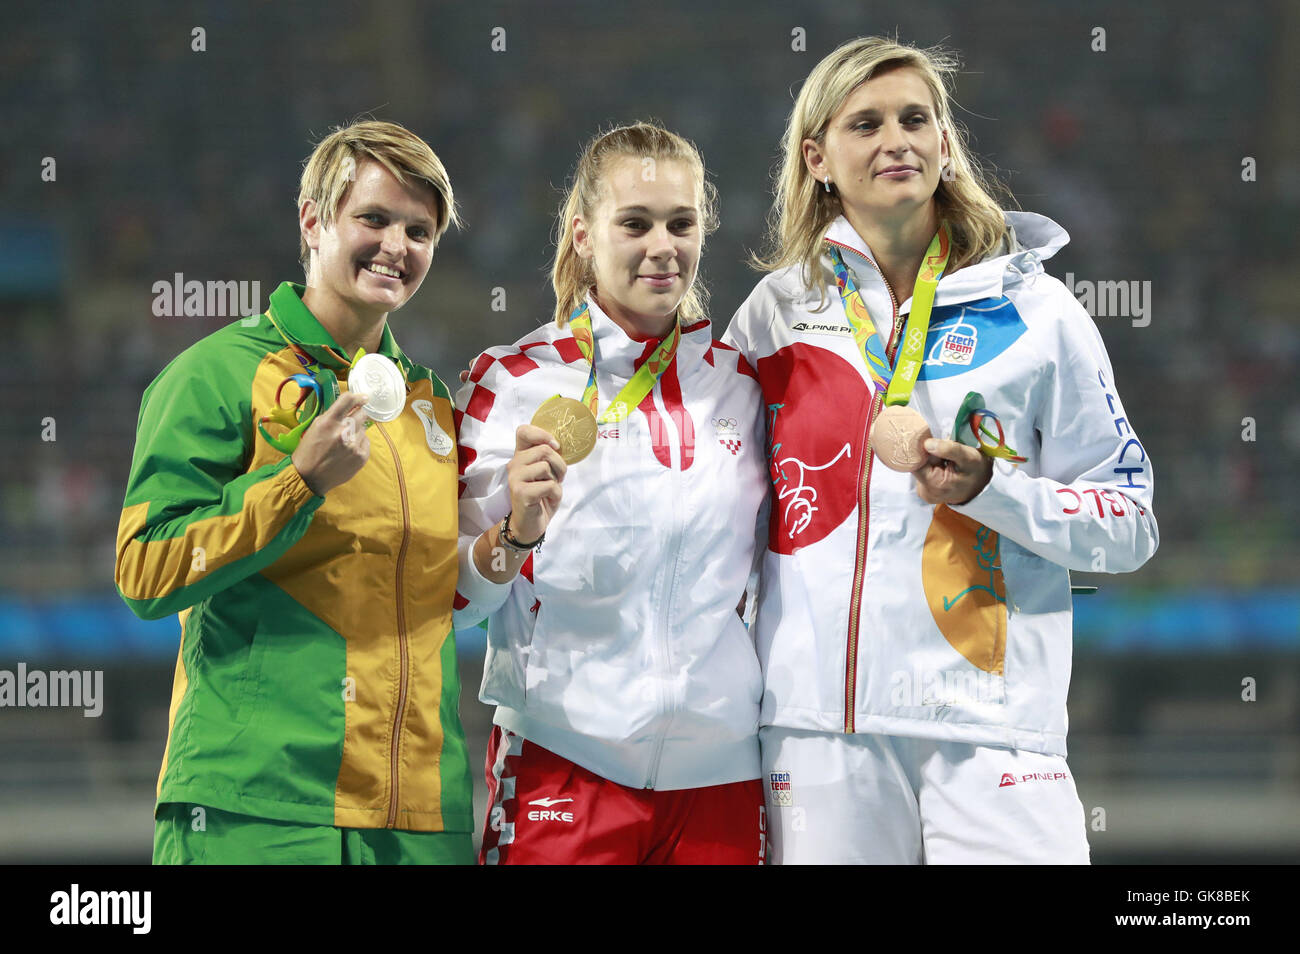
{"x":534,"y":475}
{"x":382,"y":381}
{"x":320,"y":429}
{"x":563,"y":432}
{"x":899,"y":433}
{"x":572,"y":425}
{"x":898,"y":437}
{"x":945,"y":471}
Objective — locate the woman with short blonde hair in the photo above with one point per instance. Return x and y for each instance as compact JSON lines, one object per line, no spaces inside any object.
{"x":270,"y":505}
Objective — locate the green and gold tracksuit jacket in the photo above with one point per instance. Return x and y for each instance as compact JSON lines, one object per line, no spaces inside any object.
{"x":316,"y":680}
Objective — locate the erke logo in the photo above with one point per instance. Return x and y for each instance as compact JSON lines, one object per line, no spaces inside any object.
{"x":547,"y":813}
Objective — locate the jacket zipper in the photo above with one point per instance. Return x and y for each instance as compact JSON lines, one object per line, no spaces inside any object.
{"x":669,"y":705}
{"x":864,"y":519}
{"x":404,"y":676}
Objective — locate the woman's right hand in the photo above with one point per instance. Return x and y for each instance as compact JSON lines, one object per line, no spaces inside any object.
{"x":534,"y":475}
{"x":334,"y":446}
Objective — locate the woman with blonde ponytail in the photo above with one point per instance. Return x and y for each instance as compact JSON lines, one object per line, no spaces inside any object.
{"x":626,"y":685}
{"x":945,"y":443}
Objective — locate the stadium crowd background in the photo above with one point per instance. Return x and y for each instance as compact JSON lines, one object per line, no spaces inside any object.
{"x":171,"y":160}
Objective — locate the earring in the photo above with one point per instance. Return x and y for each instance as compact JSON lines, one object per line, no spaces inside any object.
{"x":827,"y":184}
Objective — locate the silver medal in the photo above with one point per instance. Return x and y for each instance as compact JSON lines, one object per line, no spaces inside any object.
{"x":382,"y":380}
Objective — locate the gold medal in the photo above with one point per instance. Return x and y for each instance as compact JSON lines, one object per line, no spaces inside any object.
{"x":898,"y":437}
{"x":571,"y":423}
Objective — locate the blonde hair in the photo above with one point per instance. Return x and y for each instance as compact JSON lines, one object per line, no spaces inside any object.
{"x":333,"y":166}
{"x":571,"y":275}
{"x":802,"y":210}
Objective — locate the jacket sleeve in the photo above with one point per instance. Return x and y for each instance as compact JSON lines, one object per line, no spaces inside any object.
{"x":753,"y":315}
{"x":753,"y":584}
{"x":487,"y":413}
{"x":194,"y":522}
{"x":1090,"y":510}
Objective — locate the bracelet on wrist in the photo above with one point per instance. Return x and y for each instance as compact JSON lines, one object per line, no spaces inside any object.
{"x":508,"y":538}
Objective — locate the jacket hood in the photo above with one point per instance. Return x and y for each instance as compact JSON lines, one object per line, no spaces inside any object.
{"x":1031,"y":239}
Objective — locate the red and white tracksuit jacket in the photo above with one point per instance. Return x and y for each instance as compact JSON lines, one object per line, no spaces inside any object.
{"x":618,"y":646}
{"x":879,"y":613}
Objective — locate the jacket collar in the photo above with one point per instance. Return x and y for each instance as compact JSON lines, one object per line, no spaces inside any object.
{"x":1031,"y":239}
{"x":619,"y":355}
{"x":297,"y":323}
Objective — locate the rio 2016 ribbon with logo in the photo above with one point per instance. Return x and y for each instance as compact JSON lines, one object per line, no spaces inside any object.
{"x":579,"y":435}
{"x":899,"y":434}
{"x":973,"y":424}
{"x":641,"y":383}
{"x":318,"y":388}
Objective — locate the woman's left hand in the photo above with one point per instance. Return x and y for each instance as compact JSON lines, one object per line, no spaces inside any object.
{"x":952,"y":473}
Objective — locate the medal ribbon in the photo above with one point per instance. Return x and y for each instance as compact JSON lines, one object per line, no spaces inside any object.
{"x":306,"y":360}
{"x":897,"y":382}
{"x":316,"y":380}
{"x":641,"y":383}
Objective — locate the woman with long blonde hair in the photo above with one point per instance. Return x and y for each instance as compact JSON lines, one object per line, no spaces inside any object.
{"x":945,"y":442}
{"x":625,"y":683}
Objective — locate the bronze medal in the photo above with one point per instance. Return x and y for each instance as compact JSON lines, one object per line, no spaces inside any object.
{"x":898,"y":437}
{"x":571,"y":423}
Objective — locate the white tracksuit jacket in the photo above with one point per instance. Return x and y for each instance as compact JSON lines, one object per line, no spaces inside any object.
{"x":879,"y":613}
{"x":618,"y":646}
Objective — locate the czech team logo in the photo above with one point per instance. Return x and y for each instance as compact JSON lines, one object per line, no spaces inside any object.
{"x":957,"y":344}
{"x":779,"y":783}
{"x":969,"y":336}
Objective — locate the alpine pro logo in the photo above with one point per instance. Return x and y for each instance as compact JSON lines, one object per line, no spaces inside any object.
{"x":822,"y":328}
{"x":1008,"y":779}
{"x":816,"y":408}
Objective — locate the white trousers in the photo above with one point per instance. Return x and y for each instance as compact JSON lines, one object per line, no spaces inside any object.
{"x":876,"y":799}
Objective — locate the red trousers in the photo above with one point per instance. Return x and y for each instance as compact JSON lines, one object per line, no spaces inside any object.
{"x":543,"y":809}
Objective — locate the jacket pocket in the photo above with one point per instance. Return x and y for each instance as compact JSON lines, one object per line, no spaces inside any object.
{"x":533,"y":649}
{"x":251,"y":684}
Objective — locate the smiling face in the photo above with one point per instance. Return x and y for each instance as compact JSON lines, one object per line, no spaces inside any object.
{"x":643,"y":240}
{"x":372,"y":258}
{"x":883,"y":149}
